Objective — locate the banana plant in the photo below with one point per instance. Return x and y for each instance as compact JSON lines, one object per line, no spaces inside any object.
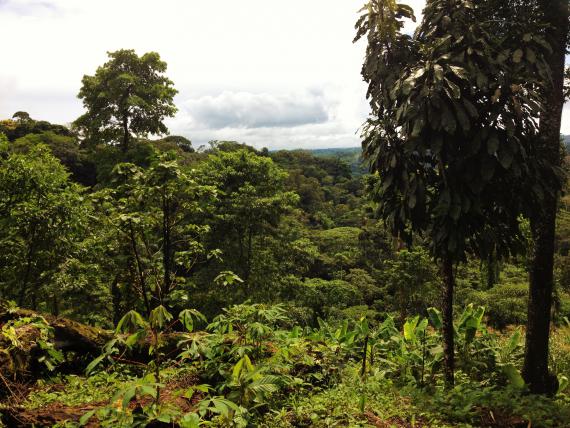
{"x":469,"y":324}
{"x":506,"y":355}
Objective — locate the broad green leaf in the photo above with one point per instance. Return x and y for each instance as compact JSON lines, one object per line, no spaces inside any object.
{"x":420,"y":329}
{"x":94,"y":364}
{"x":148,"y":390}
{"x":562,"y":383}
{"x":128,"y":396}
{"x":492,"y":144}
{"x":505,"y":156}
{"x":190,"y":420}
{"x":456,"y":91}
{"x":187,"y":317}
{"x":130,"y":322}
{"x":459,"y":71}
{"x":513,"y":375}
{"x":159,"y":317}
{"x":410,"y":328}
{"x":435,"y":318}
{"x":85,"y":418}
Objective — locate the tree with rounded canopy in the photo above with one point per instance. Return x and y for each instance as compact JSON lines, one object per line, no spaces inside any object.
{"x":128,"y":96}
{"x":21,"y":116}
{"x":454,"y":112}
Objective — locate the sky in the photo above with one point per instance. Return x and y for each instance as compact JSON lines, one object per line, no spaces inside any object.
{"x":276,"y":74}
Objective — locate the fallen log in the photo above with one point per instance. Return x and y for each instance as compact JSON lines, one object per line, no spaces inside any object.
{"x":20,"y":417}
{"x":27,"y":336}
{"x":68,"y":335}
{"x":21,"y":350}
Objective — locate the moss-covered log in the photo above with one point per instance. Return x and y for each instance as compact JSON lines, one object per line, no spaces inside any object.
{"x":24,"y":335}
{"x":21,"y":349}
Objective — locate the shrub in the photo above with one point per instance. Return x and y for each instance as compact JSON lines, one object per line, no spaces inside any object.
{"x":319,"y":294}
{"x":353,"y":313}
{"x":506,"y":304}
{"x":362,"y":280}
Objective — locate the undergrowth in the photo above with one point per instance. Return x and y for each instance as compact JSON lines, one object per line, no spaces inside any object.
{"x":249,"y":367}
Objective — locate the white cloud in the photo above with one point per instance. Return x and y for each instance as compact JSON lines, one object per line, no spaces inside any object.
{"x":326,"y":117}
{"x":27,"y":7}
{"x":262,"y":110}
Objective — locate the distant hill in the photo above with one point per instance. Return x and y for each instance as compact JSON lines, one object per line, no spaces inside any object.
{"x":353,"y":155}
{"x":350,"y":155}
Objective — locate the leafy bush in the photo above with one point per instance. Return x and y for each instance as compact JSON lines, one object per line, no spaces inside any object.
{"x":353,"y":313}
{"x":320,"y":295}
{"x":506,"y":304}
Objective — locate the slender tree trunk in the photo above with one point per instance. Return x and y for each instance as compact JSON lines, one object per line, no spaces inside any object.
{"x":249,"y":254}
{"x":139,"y":269}
{"x":535,"y":370}
{"x":26,"y":279}
{"x":448,"y":332}
{"x":157,"y":364}
{"x":126,"y":135}
{"x":166,"y":246}
{"x":241,"y":262}
{"x":55,"y":309}
{"x":364,"y":355}
{"x":490,"y":269}
{"x":116,"y":295}
{"x":34,"y":304}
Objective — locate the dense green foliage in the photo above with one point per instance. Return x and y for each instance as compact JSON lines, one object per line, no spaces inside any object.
{"x":278,"y":227}
{"x":146,"y":283}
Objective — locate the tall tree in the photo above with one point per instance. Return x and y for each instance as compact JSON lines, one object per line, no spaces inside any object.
{"x":42,"y":218}
{"x":535,"y":371}
{"x":250,"y":201}
{"x":128,"y":95}
{"x":453,"y":114}
{"x":154,"y":213}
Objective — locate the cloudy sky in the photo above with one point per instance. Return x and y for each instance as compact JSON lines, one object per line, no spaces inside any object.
{"x":277,"y":74}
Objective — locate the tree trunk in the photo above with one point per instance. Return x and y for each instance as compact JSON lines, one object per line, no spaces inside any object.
{"x":535,"y":370}
{"x":55,"y":309}
{"x":68,"y":336}
{"x":249,"y":255}
{"x":25,"y":280}
{"x":166,"y":247}
{"x":448,"y":332}
{"x":116,"y":296}
{"x":125,"y":145}
{"x":140,"y":269}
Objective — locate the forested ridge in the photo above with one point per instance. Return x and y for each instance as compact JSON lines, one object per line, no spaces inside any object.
{"x":421,"y":281}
